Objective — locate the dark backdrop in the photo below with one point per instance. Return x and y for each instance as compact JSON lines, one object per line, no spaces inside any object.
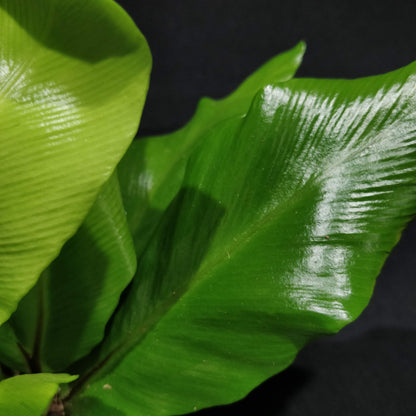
{"x":206,"y":48}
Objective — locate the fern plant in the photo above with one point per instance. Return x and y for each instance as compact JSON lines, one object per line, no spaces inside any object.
{"x":177,"y":272}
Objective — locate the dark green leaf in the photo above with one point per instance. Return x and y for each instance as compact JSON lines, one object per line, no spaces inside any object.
{"x":152,"y":170}
{"x":10,"y":353}
{"x":282,"y":222}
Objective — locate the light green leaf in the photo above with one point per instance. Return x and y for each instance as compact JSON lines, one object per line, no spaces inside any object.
{"x":73,"y":78}
{"x":30,"y":394}
{"x":80,"y":290}
{"x":152,"y":170}
{"x":282,"y":223}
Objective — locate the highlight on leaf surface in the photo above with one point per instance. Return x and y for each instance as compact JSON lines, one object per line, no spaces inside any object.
{"x":73,"y":79}
{"x":279,"y":225}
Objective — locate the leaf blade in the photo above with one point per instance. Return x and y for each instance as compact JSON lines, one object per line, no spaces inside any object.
{"x":64,"y":71}
{"x":10,"y":353}
{"x":94,"y":267}
{"x":64,"y":316}
{"x":282,"y":224}
{"x":30,"y":394}
{"x":158,"y":163}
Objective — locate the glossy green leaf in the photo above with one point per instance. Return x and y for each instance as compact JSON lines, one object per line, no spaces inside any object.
{"x":152,"y":170}
{"x":73,"y":78}
{"x":282,"y":223}
{"x":80,"y":290}
{"x":30,"y":394}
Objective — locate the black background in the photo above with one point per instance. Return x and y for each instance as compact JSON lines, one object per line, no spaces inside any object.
{"x":207,"y":48}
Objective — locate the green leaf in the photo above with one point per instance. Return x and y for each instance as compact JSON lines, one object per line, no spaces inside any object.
{"x":152,"y":170}
{"x":80,"y":290}
{"x":26,"y":321}
{"x":87,"y":279}
{"x":30,"y":394}
{"x":63,"y":317}
{"x":10,"y":353}
{"x":282,"y":223}
{"x":73,"y":78}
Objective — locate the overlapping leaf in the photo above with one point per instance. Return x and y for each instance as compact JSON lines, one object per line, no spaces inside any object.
{"x":31,"y":394}
{"x":10,"y":354}
{"x":65,"y":314}
{"x":152,"y":171}
{"x":280,"y":227}
{"x":73,"y":77}
{"x":98,"y":262}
